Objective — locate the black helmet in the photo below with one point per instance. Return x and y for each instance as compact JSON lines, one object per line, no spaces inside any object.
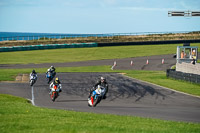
{"x":33,"y":71}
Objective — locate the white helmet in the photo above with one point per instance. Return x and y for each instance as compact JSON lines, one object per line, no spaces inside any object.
{"x":103,"y":79}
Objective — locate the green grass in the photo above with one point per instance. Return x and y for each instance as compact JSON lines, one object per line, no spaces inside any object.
{"x":83,"y":54}
{"x":18,"y":115}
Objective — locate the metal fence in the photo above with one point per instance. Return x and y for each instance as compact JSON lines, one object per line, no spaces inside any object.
{"x":154,"y":35}
{"x":47,"y":46}
{"x":194,"y":78}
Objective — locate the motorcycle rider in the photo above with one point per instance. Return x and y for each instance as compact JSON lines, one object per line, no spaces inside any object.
{"x":34,"y":74}
{"x":51,"y":70}
{"x":102,"y":82}
{"x":55,"y":82}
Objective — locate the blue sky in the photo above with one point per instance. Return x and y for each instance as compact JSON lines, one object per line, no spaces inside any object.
{"x":96,"y":16}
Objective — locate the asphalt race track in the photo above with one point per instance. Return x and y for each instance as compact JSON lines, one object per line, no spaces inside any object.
{"x":126,"y":96}
{"x":139,"y":63}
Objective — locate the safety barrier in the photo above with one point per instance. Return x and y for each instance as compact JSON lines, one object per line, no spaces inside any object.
{"x":188,"y":67}
{"x":47,"y":46}
{"x":194,"y":78}
{"x":81,"y":45}
{"x":148,"y":42}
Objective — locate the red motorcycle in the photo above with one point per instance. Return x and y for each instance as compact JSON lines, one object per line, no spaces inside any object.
{"x":54,"y":93}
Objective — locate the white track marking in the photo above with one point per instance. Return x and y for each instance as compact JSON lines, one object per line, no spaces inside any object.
{"x":33,"y":96}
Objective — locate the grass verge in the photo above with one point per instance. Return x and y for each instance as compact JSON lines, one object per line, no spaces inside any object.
{"x":18,"y":115}
{"x":83,"y":54}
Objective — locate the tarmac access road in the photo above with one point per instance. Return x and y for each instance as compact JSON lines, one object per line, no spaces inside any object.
{"x":126,"y":96}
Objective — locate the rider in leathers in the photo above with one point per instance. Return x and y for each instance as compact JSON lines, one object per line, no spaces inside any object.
{"x":34,"y":74}
{"x":55,"y":82}
{"x":102,"y":82}
{"x":52,"y":70}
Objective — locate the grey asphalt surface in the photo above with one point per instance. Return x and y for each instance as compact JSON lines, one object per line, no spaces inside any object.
{"x":126,"y":96}
{"x":139,"y":63}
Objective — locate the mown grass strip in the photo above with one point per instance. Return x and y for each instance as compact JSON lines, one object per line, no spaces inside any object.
{"x":18,"y":115}
{"x":83,"y":54}
{"x":10,"y":74}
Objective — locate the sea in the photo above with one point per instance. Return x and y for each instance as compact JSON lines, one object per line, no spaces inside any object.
{"x":9,"y":36}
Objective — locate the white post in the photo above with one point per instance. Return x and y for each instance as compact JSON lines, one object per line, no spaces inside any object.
{"x":177,"y":54}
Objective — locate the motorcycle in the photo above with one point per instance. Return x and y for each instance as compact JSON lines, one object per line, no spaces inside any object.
{"x":49,"y":76}
{"x":33,"y":79}
{"x":96,"y":96}
{"x":54,"y":92}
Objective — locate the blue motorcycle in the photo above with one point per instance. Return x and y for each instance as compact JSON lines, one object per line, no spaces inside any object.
{"x":49,"y":76}
{"x":96,"y":96}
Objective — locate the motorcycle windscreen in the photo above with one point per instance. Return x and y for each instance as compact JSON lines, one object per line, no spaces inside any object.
{"x":94,"y":93}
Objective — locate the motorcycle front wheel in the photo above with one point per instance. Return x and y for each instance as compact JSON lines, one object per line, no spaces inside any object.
{"x":31,"y":83}
{"x":53,"y":96}
{"x":96,"y":101}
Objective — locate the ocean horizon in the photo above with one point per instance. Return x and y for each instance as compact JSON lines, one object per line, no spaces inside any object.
{"x":8,"y":36}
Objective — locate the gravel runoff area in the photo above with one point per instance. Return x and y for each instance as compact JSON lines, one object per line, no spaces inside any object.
{"x":126,"y":96}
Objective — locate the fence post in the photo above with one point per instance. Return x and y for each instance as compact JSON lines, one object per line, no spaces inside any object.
{"x":167,"y":73}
